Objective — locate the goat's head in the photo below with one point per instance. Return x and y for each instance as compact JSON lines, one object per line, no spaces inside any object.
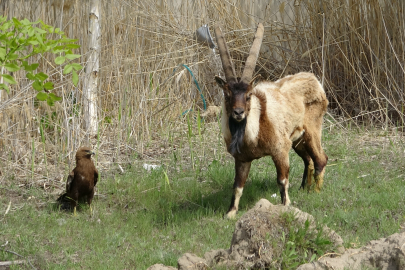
{"x":237,"y":91}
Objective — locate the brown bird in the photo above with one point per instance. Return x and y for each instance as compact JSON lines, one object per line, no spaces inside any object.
{"x":80,"y":182}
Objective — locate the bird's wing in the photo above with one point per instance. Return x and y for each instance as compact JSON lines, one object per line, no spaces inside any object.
{"x":70,"y":181}
{"x":95,"y":176}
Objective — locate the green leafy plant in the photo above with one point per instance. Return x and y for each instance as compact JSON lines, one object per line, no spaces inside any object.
{"x":302,"y":243}
{"x":20,"y":40}
{"x":290,"y":256}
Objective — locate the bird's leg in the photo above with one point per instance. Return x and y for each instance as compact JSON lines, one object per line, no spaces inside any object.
{"x":89,"y":199}
{"x":74,"y":199}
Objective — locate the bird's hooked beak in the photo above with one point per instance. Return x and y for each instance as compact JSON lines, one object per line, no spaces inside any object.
{"x":91,"y":153}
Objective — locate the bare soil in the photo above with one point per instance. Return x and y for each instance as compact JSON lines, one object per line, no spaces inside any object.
{"x":257,"y":243}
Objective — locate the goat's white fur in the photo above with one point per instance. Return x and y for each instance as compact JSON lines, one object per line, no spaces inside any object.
{"x":238,"y":193}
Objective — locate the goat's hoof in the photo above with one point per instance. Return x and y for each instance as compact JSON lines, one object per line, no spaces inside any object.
{"x":231,"y":214}
{"x":309,"y":188}
{"x":287,"y":203}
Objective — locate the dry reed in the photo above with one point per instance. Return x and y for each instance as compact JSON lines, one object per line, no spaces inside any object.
{"x":355,"y":47}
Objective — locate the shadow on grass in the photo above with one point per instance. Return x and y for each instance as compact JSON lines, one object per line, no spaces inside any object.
{"x":179,"y":196}
{"x":57,"y":207}
{"x":204,"y":204}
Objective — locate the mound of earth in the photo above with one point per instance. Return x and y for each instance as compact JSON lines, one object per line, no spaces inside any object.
{"x":161,"y":267}
{"x":385,"y":253}
{"x":259,"y":240}
{"x":259,"y":237}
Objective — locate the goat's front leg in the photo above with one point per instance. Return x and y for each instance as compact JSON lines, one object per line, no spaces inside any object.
{"x":241,"y":174}
{"x":283,"y":167}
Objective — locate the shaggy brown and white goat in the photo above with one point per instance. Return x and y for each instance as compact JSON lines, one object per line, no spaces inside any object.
{"x":269,"y":118}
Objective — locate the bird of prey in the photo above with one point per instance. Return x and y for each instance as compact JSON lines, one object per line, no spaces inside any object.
{"x":80,"y":182}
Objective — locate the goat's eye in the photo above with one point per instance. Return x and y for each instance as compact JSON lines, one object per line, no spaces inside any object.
{"x":248,"y":97}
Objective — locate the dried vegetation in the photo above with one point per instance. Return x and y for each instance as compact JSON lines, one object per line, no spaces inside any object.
{"x":355,"y":47}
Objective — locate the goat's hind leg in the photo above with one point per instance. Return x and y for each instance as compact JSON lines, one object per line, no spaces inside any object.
{"x":320,"y":159}
{"x":318,"y":175}
{"x":299,"y":148}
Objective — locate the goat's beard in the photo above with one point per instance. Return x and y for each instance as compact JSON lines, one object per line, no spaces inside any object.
{"x":237,"y":130}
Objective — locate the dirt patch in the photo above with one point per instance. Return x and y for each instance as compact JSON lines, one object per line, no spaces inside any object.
{"x":258,"y":240}
{"x":191,"y":261}
{"x":260,"y":236}
{"x":385,"y":253}
{"x":161,"y":267}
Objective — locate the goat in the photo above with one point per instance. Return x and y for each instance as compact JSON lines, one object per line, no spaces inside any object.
{"x":268,"y":119}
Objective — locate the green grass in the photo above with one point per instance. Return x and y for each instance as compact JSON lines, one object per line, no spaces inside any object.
{"x":142,"y":218}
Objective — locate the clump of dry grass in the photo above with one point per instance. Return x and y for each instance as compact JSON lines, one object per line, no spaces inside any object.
{"x":364,"y":56}
{"x":355,"y":47}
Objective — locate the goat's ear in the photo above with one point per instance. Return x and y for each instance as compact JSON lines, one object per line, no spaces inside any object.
{"x":256,"y":79}
{"x":221,"y":83}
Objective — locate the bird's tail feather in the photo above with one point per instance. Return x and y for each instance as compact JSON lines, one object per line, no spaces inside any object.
{"x":65,"y":202}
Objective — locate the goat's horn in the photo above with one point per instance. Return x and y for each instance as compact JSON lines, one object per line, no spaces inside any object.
{"x":227,"y":65}
{"x":253,"y":55}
